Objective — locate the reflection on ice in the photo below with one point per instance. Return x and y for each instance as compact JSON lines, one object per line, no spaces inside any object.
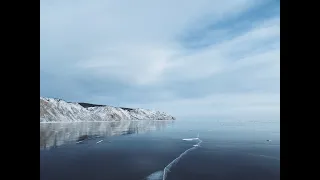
{"x":56,"y":134}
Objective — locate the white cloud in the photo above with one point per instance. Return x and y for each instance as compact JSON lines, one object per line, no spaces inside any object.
{"x":242,"y":51}
{"x":145,"y":64}
{"x":132,"y":64}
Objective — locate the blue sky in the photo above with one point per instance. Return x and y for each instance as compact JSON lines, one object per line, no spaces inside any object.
{"x":204,"y":58}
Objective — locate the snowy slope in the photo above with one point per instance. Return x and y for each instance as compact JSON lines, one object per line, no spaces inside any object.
{"x":57,"y":110}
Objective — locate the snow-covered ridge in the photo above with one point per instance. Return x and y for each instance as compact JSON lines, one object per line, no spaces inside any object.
{"x":57,"y":110}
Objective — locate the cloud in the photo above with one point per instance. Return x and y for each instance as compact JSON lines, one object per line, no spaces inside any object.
{"x":131,"y":64}
{"x":168,"y":55}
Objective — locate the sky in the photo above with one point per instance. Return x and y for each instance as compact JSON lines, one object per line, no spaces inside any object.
{"x":191,"y":59}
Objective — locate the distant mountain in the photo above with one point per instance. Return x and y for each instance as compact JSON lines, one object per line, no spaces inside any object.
{"x":57,"y":110}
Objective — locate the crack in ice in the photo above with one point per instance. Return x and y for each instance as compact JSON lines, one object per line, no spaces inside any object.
{"x":265,"y":156}
{"x":162,"y":175}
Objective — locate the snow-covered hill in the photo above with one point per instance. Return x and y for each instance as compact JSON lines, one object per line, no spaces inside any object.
{"x":57,"y":110}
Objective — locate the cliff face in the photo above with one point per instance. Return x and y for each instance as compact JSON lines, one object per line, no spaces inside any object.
{"x":56,"y":110}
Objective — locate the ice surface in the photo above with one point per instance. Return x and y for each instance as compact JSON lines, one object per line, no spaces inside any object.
{"x":264,"y":156}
